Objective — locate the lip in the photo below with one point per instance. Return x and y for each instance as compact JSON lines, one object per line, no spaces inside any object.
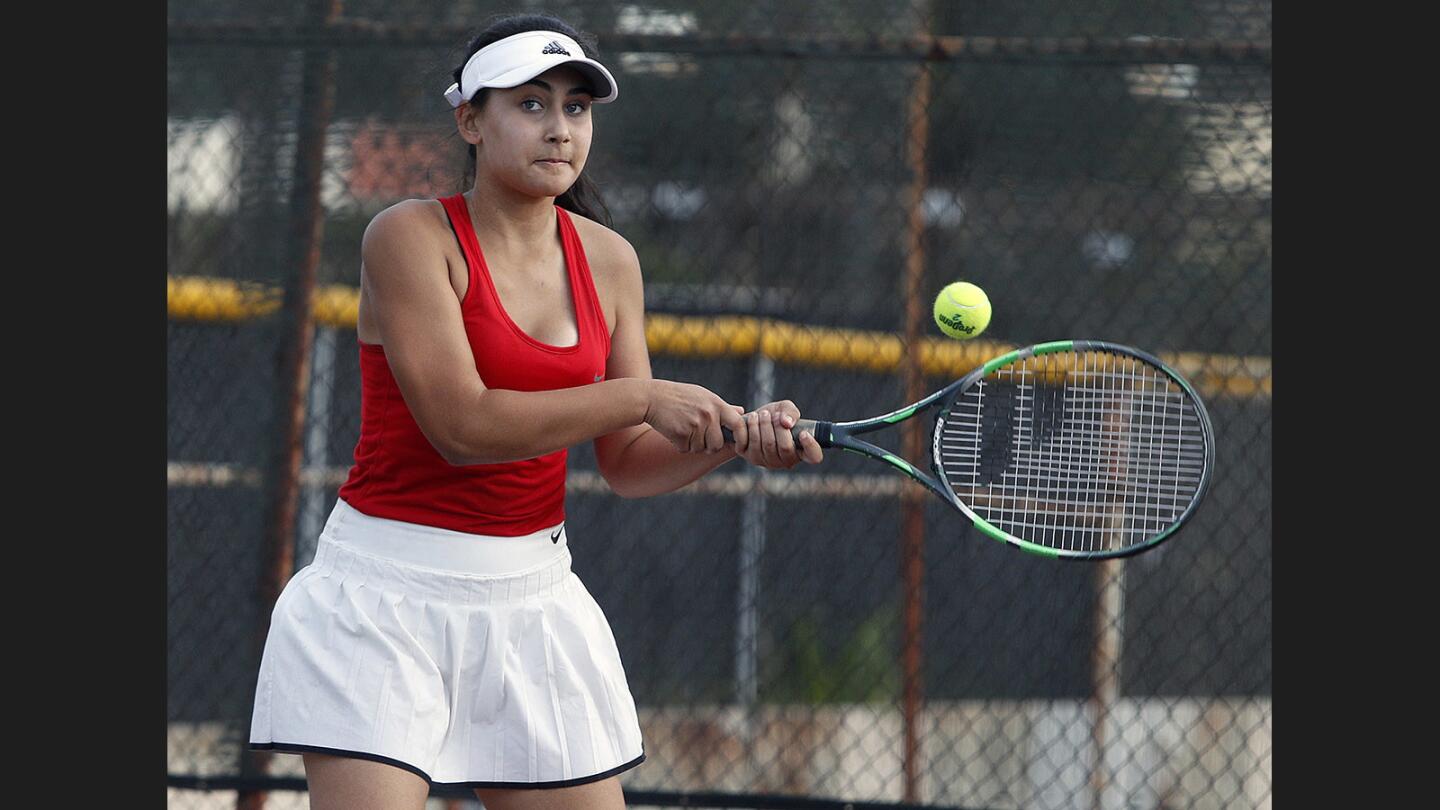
{"x":553,"y":161}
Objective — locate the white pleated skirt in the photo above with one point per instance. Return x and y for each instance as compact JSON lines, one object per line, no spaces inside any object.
{"x":471,"y":660}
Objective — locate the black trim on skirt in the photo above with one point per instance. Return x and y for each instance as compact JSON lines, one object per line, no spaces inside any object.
{"x":295,"y":748}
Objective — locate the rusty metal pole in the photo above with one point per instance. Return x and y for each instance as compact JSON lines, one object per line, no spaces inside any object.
{"x":1105,"y":667}
{"x":913,"y":434}
{"x":1109,"y":620}
{"x":317,"y":102}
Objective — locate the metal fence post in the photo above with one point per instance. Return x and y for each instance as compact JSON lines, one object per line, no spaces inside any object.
{"x":1105,"y":666}
{"x":752,"y":546}
{"x":912,"y":531}
{"x":317,"y":445}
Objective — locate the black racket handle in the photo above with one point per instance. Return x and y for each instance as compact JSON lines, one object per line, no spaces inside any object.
{"x":802,"y":424}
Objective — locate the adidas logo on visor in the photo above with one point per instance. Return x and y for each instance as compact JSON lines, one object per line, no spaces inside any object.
{"x":554,"y":47}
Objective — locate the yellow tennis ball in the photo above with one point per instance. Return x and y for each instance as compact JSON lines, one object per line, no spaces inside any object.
{"x":962,"y":310}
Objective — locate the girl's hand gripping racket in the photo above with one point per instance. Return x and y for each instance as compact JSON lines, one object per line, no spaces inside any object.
{"x":1077,"y":449}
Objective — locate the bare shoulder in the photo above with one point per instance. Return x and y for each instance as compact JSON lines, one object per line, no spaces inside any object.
{"x":408,"y":224}
{"x":612,"y":258}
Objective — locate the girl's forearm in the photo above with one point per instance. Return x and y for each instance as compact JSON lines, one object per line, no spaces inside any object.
{"x":651,"y":465}
{"x":511,"y":425}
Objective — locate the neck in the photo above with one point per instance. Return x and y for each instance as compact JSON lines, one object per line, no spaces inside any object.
{"x":506,"y":218}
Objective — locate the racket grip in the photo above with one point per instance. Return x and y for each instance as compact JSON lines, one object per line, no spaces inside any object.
{"x":800,"y":424}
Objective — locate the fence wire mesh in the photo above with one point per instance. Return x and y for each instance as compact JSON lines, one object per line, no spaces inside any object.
{"x":1102,"y":169}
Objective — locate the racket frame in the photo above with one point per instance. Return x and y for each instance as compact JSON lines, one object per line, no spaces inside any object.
{"x":842,"y":435}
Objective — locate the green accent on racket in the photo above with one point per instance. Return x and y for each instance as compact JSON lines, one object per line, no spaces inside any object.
{"x":902,"y":464}
{"x":1052,"y":347}
{"x":1005,"y":537}
{"x":900,"y":415}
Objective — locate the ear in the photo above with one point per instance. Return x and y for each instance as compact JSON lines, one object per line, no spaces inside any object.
{"x":466,"y":123}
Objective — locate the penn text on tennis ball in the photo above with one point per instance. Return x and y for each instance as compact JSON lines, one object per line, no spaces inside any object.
{"x":962,"y":310}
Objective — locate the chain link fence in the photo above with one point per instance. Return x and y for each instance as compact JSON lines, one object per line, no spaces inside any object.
{"x":793,"y":177}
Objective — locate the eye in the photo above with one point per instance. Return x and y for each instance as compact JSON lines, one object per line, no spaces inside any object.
{"x":576,"y":107}
{"x":529,"y":101}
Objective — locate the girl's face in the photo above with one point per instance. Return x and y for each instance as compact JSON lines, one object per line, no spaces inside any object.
{"x":534,"y":138}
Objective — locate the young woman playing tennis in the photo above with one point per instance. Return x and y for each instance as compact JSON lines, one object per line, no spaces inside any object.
{"x":439,"y":633}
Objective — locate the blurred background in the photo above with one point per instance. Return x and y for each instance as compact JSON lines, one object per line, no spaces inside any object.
{"x":799,"y":180}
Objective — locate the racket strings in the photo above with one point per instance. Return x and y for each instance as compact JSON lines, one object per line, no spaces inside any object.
{"x":1082,"y":451}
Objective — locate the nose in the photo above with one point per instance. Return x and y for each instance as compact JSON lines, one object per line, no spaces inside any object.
{"x":558,"y":130}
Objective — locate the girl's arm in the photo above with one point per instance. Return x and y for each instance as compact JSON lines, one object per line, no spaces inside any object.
{"x":405,"y":282}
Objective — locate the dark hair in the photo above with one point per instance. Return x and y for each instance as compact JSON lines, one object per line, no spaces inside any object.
{"x":583,"y":197}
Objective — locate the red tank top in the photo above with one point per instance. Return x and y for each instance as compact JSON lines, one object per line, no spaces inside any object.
{"x":399,"y":475}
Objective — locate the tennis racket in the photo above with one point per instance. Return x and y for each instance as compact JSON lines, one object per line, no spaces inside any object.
{"x":1076,"y":449}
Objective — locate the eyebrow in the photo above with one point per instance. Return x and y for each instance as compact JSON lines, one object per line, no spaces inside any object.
{"x":584,"y":88}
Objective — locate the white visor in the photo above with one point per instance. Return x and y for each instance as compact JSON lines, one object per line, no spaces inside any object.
{"x":517,"y":59}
